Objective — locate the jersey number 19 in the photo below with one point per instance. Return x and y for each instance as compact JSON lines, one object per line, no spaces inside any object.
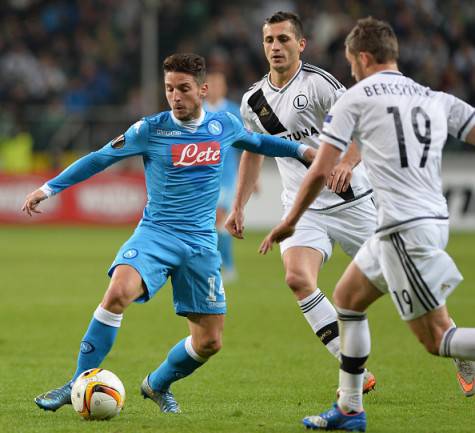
{"x":424,"y":139}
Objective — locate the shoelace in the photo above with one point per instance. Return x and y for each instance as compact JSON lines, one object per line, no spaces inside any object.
{"x":59,"y":392}
{"x":169,"y":400}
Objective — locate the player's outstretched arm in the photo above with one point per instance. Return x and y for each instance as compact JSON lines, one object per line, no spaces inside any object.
{"x":249,"y":169}
{"x":32,"y":200}
{"x":313,"y":183}
{"x":340,"y":177}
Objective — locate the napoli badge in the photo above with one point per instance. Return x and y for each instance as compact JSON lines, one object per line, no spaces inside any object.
{"x":130,"y":254}
{"x":215,"y":127}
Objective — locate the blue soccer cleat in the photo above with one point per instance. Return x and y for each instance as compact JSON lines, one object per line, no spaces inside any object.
{"x":335,"y":419}
{"x":56,"y":398}
{"x":165,"y":399}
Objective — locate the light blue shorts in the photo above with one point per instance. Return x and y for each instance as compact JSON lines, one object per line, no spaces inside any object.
{"x":194,"y":270}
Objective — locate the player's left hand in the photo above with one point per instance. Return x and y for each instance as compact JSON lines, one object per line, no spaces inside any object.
{"x":340,"y":177}
{"x":278,"y":234}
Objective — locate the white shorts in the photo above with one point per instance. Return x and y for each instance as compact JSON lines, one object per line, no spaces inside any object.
{"x":349,"y":227}
{"x":412,"y":266}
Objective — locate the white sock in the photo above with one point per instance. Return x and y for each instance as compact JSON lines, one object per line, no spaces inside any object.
{"x":108,"y":318}
{"x":458,"y":343}
{"x":321,"y":316}
{"x":355,"y":345}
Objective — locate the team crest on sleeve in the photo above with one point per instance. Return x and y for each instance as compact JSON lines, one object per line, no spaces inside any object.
{"x":118,"y":142}
{"x":328,"y":118}
{"x":300,"y":102}
{"x":215,"y":127}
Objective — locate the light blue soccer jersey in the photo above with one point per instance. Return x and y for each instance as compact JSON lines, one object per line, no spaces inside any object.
{"x":182,"y":168}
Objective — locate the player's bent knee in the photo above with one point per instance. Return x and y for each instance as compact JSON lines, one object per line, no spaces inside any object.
{"x":117,"y":297}
{"x":298,"y":283}
{"x":209,"y":347}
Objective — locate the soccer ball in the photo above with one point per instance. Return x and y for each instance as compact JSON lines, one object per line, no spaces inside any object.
{"x":98,"y":394}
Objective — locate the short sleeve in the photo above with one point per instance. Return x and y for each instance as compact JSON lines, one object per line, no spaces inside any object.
{"x":247,"y":117}
{"x":340,"y":123}
{"x":461,"y":116}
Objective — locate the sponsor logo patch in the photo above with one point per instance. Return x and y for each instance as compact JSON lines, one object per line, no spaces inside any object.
{"x":205,"y":153}
{"x":118,"y":142}
{"x":86,"y":347}
{"x":328,"y":118}
{"x":130,"y":254}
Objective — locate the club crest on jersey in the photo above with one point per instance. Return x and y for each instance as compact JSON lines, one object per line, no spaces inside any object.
{"x":215,"y":127}
{"x":130,"y":254}
{"x":300,"y":102}
{"x":205,"y":153}
{"x":118,"y":142}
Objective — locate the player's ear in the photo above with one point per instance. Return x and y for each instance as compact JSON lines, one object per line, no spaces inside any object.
{"x":366,"y":58}
{"x":302,"y":44}
{"x":204,"y":90}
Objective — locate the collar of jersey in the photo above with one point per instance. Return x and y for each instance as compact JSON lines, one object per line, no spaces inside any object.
{"x":283,"y":89}
{"x":390,"y":72}
{"x":190,"y":125}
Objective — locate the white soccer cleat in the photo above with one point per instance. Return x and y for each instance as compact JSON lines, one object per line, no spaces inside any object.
{"x":466,"y":376}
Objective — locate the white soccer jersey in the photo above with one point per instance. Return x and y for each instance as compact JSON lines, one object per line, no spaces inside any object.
{"x":401,"y":128}
{"x":296,"y":112}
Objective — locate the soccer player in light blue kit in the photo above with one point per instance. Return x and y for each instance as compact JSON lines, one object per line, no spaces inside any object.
{"x":183,"y":151}
{"x":216,"y":101}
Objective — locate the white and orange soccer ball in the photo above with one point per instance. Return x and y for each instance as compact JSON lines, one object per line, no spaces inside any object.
{"x":98,"y":394}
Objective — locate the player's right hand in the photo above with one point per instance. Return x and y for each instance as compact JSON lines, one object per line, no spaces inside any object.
{"x":234,"y":223}
{"x":32,"y":201}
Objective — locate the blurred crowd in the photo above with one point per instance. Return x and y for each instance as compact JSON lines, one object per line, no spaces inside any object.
{"x":70,"y":69}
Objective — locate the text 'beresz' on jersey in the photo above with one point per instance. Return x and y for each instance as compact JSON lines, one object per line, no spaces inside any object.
{"x":401,"y":128}
{"x":296,"y":112}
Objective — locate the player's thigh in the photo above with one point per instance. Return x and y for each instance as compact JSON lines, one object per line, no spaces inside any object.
{"x":310,"y":234}
{"x":125,"y":286}
{"x":353,"y":226}
{"x":420,"y":274}
{"x":197,"y":283}
{"x":354,"y":291}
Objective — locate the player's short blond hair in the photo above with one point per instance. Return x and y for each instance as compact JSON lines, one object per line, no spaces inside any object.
{"x":375,"y":37}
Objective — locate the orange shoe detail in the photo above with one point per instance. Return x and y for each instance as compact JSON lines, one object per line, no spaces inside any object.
{"x":467,"y":387}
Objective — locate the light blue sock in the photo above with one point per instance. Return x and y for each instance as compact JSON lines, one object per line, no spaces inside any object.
{"x":98,"y":340}
{"x":225,"y":247}
{"x":181,"y":361}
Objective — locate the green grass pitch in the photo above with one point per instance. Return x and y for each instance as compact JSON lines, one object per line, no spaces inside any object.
{"x":271,"y":372}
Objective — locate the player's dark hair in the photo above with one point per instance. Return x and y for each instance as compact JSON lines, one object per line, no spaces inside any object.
{"x":375,"y":37}
{"x":187,"y":63}
{"x":294,"y":19}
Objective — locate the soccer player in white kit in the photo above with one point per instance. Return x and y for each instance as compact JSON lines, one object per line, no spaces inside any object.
{"x":291,"y":101}
{"x":401,"y":128}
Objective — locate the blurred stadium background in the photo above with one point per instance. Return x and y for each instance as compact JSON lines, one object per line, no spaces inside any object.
{"x":76,"y":73}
